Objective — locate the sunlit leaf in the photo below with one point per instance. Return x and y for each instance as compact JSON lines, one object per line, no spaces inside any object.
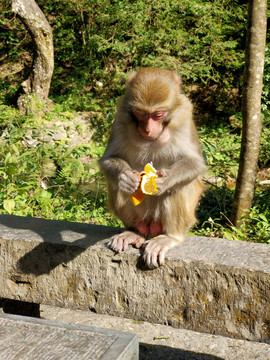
{"x":9,"y":205}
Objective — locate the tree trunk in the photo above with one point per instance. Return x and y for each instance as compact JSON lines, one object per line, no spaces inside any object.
{"x":39,"y":80}
{"x":251,"y":110}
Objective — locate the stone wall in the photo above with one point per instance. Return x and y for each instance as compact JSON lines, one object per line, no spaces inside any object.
{"x":207,"y":284}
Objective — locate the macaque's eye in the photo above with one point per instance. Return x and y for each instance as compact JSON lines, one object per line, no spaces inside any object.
{"x":159,"y":115}
{"x":143,"y":116}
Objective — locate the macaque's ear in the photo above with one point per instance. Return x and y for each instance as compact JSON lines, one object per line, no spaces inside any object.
{"x":131,"y":77}
{"x":177,"y":78}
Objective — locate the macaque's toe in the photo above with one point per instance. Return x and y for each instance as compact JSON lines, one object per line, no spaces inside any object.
{"x":139,"y":243}
{"x":120,"y":242}
{"x":155,"y":250}
{"x":116,"y":244}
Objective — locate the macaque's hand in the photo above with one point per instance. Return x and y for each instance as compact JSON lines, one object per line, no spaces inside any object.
{"x":129,"y":181}
{"x":163,"y":183}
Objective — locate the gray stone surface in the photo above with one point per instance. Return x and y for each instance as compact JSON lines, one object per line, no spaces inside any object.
{"x":23,"y":338}
{"x":212,"y":285}
{"x":159,"y":342}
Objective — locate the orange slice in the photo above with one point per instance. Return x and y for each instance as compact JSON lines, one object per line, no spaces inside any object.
{"x":148,"y":184}
{"x":149,"y":170}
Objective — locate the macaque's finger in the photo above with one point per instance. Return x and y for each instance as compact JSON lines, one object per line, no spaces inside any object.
{"x":161,"y":173}
{"x":118,"y":243}
{"x":129,"y":177}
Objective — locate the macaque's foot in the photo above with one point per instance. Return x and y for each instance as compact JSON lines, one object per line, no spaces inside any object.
{"x":155,"y":250}
{"x":120,"y":242}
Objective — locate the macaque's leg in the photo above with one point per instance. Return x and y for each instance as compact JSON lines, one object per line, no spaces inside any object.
{"x":155,"y":249}
{"x":120,"y":242}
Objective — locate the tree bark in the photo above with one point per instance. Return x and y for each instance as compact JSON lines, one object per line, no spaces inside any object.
{"x":251,"y":110}
{"x":39,"y":80}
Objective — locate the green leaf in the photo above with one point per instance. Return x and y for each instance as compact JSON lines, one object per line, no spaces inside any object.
{"x":9,"y":205}
{"x":46,"y":195}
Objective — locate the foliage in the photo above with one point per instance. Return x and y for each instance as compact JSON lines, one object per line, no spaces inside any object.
{"x":266,"y":80}
{"x":97,"y":43}
{"x":221,"y":146}
{"x":49,"y":180}
{"x":214,"y":211}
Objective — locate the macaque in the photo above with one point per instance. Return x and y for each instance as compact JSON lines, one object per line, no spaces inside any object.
{"x":154,"y":124}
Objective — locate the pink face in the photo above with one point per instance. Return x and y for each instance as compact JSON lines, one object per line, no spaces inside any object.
{"x":150,"y":124}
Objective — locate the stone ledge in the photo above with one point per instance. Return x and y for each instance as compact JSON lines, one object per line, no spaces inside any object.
{"x":210,"y":285}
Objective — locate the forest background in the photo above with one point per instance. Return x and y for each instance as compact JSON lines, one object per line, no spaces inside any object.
{"x":45,"y":172}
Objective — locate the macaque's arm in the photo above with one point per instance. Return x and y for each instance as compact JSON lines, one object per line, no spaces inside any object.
{"x":181,"y":173}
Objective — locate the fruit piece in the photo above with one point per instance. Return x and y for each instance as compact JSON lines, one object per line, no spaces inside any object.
{"x":149,"y":169}
{"x":137,"y":197}
{"x":148,"y":184}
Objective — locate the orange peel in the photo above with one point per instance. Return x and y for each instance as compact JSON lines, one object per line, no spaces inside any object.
{"x":148,"y":184}
{"x":137,"y":197}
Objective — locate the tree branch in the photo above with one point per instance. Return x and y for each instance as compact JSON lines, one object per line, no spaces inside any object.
{"x":39,"y":80}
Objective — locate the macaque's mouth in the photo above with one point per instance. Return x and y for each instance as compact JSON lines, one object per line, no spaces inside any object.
{"x":147,"y":137}
{"x":150,"y":137}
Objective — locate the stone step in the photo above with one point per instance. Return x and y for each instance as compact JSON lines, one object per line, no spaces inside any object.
{"x":162,"y":342}
{"x":25,"y":338}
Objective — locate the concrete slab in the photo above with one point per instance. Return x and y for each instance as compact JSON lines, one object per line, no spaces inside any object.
{"x":24,"y":338}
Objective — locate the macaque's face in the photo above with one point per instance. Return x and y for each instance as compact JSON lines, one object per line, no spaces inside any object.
{"x":150,"y":125}
{"x":152,"y":97}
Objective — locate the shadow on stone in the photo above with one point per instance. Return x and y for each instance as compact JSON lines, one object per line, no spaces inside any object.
{"x":45,"y":257}
{"x":17,"y":307}
{"x":159,"y":352}
{"x":59,"y":241}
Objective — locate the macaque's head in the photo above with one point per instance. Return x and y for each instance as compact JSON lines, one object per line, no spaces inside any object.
{"x":152,"y":95}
